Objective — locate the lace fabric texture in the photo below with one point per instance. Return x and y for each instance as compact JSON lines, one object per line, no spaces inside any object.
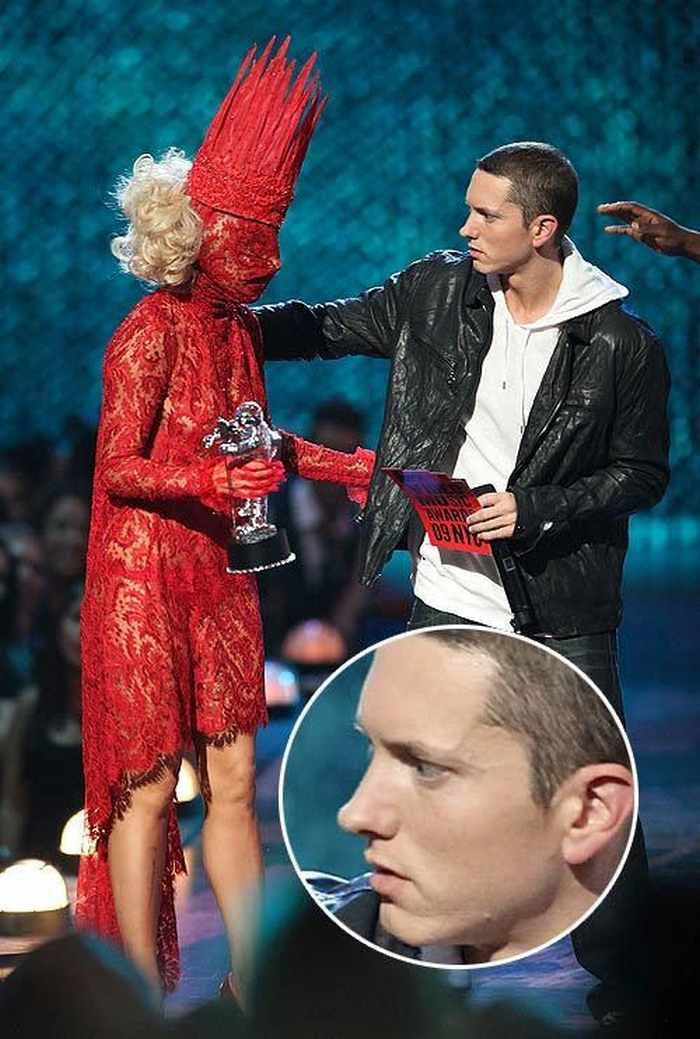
{"x":171,"y":643}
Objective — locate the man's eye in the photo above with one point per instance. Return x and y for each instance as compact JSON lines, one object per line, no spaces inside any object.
{"x":427,"y":771}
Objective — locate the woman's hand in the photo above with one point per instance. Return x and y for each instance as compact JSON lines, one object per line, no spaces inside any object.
{"x":358,"y":492}
{"x":252,"y":480}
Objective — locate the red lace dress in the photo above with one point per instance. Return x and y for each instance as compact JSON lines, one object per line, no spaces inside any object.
{"x":172,"y":644}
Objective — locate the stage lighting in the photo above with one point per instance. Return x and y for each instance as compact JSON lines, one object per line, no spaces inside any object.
{"x":315,"y":648}
{"x":187,"y":788}
{"x":281,"y":685}
{"x":314,"y":642}
{"x":33,"y":900}
{"x":72,"y":834}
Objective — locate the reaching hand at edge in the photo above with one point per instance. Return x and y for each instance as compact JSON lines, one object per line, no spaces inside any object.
{"x":653,"y":229}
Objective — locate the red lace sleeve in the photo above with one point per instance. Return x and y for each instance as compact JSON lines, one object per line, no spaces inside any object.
{"x":315,"y":462}
{"x":136,"y":376}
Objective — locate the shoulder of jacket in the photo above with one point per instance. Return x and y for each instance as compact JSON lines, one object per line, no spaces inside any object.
{"x":439,"y":270}
{"x":622,"y":327}
{"x":448,"y":260}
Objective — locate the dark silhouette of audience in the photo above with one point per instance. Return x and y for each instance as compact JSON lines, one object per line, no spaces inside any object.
{"x":313,"y":982}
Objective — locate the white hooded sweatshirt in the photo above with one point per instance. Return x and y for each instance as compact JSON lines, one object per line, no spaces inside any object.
{"x":461,"y":582}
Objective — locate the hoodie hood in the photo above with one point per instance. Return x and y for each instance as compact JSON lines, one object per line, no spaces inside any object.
{"x":584,"y":287}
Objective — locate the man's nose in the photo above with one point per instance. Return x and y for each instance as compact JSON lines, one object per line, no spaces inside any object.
{"x":467,"y":230}
{"x":370,"y":810}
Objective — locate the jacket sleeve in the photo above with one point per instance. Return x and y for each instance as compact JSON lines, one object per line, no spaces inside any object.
{"x":136,"y":376}
{"x":368,"y":324}
{"x":637,"y":472}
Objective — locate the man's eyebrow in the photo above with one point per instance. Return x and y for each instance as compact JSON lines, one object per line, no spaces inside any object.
{"x":421,"y":751}
{"x":418,"y":750}
{"x":484,"y":210}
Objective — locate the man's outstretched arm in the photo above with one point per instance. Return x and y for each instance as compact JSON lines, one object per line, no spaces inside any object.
{"x":369,"y":324}
{"x":653,"y":229}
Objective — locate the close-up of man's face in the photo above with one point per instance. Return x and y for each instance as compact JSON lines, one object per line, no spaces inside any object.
{"x":499,"y":240}
{"x":461,"y":853}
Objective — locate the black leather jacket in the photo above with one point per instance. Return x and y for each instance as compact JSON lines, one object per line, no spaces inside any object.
{"x":595,"y":448}
{"x":356,"y":905}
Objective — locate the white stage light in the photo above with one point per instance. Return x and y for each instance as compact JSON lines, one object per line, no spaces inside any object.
{"x":72,"y":834}
{"x":33,"y":899}
{"x":187,"y":783}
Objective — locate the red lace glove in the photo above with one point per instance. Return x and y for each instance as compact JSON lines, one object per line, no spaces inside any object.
{"x":316,"y":462}
{"x":358,"y":494}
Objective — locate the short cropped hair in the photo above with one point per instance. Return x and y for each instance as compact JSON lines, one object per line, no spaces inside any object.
{"x":543,"y":699}
{"x":542,"y":180}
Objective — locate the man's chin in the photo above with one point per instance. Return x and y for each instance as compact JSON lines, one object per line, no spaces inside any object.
{"x":482,"y":264}
{"x":410,"y":930}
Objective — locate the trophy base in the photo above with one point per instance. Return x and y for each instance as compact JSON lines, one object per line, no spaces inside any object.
{"x":259,"y":555}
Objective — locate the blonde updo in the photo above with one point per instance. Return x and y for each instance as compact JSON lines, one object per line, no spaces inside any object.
{"x":164,"y":233}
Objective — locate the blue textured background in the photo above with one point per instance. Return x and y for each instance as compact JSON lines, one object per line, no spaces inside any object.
{"x":326,"y":761}
{"x":418,"y":91}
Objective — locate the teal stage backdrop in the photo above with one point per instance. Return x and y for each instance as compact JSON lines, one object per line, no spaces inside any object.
{"x":418,"y":90}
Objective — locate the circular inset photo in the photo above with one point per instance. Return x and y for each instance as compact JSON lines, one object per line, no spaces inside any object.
{"x":458,"y":797}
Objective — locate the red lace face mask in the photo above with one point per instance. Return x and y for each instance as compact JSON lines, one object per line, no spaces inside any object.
{"x":239,"y":256}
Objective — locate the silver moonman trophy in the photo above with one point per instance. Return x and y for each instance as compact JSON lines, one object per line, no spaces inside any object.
{"x":256,"y":544}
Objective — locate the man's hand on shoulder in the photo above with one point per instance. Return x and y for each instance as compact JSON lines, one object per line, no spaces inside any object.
{"x":496,"y":518}
{"x":653,"y":229}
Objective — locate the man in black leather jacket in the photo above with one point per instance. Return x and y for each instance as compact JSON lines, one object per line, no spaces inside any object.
{"x":592,"y":442}
{"x":594,"y":448}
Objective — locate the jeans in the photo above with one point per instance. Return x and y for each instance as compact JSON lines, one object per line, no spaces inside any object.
{"x":611,"y":943}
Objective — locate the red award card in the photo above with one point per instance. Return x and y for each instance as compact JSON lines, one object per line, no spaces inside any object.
{"x":443,"y":504}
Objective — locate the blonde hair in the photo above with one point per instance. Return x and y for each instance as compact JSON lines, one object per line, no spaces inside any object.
{"x":164,"y":233}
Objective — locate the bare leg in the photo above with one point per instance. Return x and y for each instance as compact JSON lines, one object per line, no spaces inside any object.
{"x":136,"y":853}
{"x":231,"y":850}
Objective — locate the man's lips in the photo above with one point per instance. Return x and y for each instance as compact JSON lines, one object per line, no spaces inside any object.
{"x":385,"y":880}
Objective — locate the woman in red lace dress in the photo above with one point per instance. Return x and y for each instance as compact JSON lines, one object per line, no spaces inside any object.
{"x":172,"y":646}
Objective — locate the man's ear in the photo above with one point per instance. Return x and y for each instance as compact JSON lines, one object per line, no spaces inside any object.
{"x":543,"y":230}
{"x":595,"y":803}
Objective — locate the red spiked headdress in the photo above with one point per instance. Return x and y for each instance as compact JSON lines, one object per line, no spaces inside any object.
{"x":252,"y":152}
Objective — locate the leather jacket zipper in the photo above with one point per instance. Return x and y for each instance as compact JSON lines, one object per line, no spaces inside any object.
{"x":449,"y":367}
